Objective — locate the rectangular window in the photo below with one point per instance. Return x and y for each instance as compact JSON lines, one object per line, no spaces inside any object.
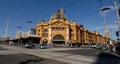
{"x":45,"y":35}
{"x":38,"y":30}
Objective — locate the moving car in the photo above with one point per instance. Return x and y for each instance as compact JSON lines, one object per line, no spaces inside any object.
{"x":29,"y":45}
{"x":96,"y":45}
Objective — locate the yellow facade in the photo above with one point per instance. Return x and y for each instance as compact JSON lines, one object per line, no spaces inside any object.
{"x":59,"y":30}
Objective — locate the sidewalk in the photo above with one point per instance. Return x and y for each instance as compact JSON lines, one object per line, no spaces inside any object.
{"x":113,"y":53}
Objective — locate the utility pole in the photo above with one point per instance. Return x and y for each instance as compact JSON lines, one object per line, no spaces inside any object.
{"x":6,"y":29}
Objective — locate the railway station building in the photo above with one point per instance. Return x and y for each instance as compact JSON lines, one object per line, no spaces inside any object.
{"x":59,"y":30}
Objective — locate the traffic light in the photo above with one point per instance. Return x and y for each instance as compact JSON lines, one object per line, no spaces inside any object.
{"x":117,"y":33}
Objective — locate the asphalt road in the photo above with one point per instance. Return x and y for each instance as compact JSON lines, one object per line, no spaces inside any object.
{"x":84,"y":52}
{"x":26,"y":59}
{"x":23,"y":58}
{"x":1,"y":48}
{"x":56,"y":56}
{"x":103,"y":57}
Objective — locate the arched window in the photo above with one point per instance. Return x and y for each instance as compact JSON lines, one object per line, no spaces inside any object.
{"x":45,"y":35}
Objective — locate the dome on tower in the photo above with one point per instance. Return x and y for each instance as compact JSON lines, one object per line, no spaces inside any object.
{"x":58,"y":15}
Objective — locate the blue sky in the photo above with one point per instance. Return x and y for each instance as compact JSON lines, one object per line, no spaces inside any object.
{"x":85,"y":12}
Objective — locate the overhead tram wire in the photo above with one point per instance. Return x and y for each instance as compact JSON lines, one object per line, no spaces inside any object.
{"x":69,"y":5}
{"x":77,"y":2}
{"x":73,"y":3}
{"x":118,"y":3}
{"x":64,"y":5}
{"x":100,"y":1}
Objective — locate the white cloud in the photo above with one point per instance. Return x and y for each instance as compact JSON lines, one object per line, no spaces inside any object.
{"x":110,"y":27}
{"x":113,"y":26}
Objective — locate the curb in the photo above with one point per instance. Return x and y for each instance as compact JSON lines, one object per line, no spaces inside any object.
{"x":113,"y":53}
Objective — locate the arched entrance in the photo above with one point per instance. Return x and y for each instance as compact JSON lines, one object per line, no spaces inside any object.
{"x":45,"y":42}
{"x":58,"y":39}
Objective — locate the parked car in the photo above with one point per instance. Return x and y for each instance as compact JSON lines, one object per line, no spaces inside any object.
{"x":42,"y":46}
{"x":99,"y":46}
{"x":11,"y":43}
{"x":104,"y":47}
{"x":29,"y":45}
{"x":96,"y":45}
{"x":93,"y":45}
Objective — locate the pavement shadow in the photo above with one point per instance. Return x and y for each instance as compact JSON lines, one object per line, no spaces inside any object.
{"x":31,"y":61}
{"x":107,"y":58}
{"x":23,"y":58}
{"x":83,"y":52}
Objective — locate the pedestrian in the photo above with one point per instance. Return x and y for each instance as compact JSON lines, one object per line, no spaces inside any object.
{"x":118,"y":48}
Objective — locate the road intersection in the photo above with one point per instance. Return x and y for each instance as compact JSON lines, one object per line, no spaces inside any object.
{"x":66,"y":55}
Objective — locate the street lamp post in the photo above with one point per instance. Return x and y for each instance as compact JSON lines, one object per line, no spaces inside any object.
{"x":117,"y":14}
{"x":30,"y":22}
{"x":106,"y":32}
{"x":118,"y":19}
{"x":30,"y":31}
{"x":20,"y":30}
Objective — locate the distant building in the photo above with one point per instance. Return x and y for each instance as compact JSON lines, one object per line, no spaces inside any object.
{"x":26,"y":37}
{"x":21,"y":34}
{"x":58,"y":30}
{"x":32,"y":31}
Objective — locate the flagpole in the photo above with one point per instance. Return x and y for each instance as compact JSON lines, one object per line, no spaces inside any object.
{"x":117,"y":14}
